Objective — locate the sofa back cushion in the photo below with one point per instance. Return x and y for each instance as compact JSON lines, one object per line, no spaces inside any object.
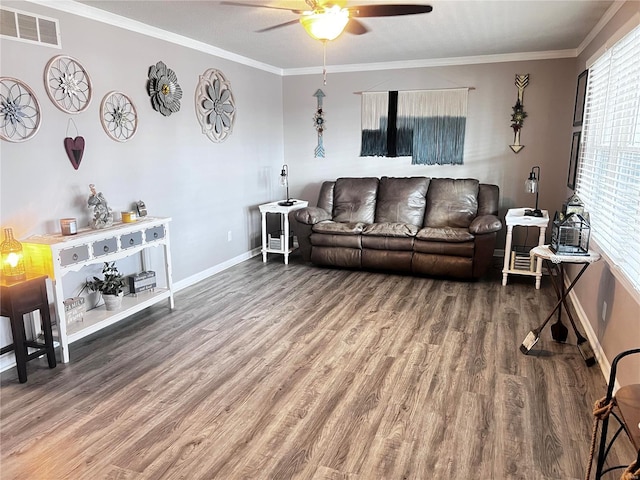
{"x":451,"y":202}
{"x":354,"y":199}
{"x":402,"y":200}
{"x":325,"y":197}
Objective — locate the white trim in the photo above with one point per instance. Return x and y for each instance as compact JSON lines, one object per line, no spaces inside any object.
{"x":601,"y":358}
{"x":93,"y":13}
{"x":8,"y":361}
{"x":209,"y":272}
{"x":608,"y":15}
{"x":435,"y":62}
{"x":629,"y":25}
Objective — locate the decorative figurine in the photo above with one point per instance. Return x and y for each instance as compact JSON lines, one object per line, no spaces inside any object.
{"x":102,"y":214}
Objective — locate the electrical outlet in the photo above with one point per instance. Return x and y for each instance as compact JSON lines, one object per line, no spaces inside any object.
{"x":229,"y":236}
{"x":604,"y":311}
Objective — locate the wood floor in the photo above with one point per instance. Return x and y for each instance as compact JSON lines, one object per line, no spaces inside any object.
{"x":273,"y":371}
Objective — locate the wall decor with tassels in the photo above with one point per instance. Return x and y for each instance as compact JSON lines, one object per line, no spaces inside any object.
{"x":427,"y":125}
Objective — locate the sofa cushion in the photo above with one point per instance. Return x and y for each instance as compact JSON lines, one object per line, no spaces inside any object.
{"x":402,"y":200}
{"x":445,"y":234}
{"x":485,"y":224}
{"x":311,"y":215}
{"x":338,"y":228}
{"x":328,"y":240}
{"x":451,"y":202}
{"x":354,"y":199}
{"x":325,"y":197}
{"x":462,"y":249}
{"x":388,"y":243}
{"x":390,"y":230}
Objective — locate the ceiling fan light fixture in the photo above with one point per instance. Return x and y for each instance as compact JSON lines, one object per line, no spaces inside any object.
{"x":327,"y":24}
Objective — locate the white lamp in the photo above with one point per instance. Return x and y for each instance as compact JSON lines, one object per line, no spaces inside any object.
{"x":531,"y":186}
{"x":327,"y":24}
{"x":284,"y":182}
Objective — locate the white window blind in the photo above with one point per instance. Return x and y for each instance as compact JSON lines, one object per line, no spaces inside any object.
{"x":608,"y":179}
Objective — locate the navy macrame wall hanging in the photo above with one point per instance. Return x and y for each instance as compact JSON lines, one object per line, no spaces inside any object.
{"x":428,"y":125}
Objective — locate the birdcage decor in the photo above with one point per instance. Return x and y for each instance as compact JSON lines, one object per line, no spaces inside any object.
{"x":570,"y":234}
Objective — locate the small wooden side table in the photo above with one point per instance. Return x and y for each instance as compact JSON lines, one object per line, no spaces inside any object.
{"x":516,"y":218}
{"x":17,"y":299}
{"x":282,"y":210}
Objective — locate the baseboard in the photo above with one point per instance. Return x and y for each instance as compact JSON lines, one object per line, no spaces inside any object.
{"x":601,"y":358}
{"x":209,"y":272}
{"x":8,"y":361}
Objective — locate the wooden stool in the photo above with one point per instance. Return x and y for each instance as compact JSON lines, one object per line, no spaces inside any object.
{"x":17,"y":299}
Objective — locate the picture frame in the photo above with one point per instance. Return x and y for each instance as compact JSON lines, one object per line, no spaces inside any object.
{"x":573,"y":161}
{"x":581,"y":92}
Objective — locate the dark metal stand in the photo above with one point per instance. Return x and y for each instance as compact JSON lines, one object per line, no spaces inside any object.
{"x":559,"y":331}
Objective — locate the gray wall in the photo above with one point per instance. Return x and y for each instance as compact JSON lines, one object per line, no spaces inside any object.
{"x":208,"y":189}
{"x":548,"y":100}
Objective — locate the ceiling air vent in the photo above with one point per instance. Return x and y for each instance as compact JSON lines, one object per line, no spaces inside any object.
{"x":27,"y":27}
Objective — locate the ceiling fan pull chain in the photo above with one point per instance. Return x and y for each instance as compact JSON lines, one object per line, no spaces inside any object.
{"x":324,"y":62}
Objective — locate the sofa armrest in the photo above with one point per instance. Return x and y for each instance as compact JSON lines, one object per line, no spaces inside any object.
{"x":485,"y":224}
{"x":311,"y":215}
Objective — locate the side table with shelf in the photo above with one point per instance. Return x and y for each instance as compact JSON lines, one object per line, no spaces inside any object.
{"x":283,"y":211}
{"x":56,"y":255}
{"x":516,"y":218}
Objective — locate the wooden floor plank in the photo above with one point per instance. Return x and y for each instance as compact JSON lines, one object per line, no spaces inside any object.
{"x":272,"y":371}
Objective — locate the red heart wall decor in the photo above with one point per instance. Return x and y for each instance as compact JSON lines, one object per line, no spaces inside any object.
{"x":75,"y":149}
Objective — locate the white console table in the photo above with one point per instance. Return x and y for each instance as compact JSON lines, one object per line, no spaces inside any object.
{"x":56,"y":255}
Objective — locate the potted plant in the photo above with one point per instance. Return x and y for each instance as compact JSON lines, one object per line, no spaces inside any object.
{"x":111,"y":286}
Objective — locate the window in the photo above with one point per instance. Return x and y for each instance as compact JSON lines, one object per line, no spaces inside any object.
{"x":608,"y":179}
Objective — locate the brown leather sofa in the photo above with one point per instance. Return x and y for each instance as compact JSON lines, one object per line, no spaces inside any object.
{"x":430,"y":226}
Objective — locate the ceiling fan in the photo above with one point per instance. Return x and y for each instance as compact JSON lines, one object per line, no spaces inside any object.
{"x":326,"y":21}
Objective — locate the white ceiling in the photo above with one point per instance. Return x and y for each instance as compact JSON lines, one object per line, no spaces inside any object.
{"x":454,"y":29}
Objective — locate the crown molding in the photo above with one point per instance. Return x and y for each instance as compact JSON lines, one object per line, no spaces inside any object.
{"x":608,"y":15}
{"x":86,"y":11}
{"x":93,"y":13}
{"x":436,"y":62}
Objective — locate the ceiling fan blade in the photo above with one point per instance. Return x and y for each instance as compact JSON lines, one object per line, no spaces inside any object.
{"x":253,"y":5}
{"x":388,"y":10}
{"x":280,"y":25}
{"x":355,"y":27}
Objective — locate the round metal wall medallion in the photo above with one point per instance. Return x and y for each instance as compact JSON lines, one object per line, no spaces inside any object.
{"x":19,"y":111}
{"x":68,"y":84}
{"x":215,"y":105}
{"x":118,"y":116}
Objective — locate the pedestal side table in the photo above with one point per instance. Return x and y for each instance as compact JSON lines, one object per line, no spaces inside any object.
{"x":516,"y":218}
{"x":284,"y":211}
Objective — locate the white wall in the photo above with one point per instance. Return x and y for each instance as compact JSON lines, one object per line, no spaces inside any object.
{"x":548,"y":100}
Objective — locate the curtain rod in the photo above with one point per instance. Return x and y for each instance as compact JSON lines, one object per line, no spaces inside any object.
{"x":418,"y":90}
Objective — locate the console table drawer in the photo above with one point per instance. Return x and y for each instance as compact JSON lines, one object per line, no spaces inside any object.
{"x":131,"y":240}
{"x":104,"y":247}
{"x":155,"y":233}
{"x":74,"y":255}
